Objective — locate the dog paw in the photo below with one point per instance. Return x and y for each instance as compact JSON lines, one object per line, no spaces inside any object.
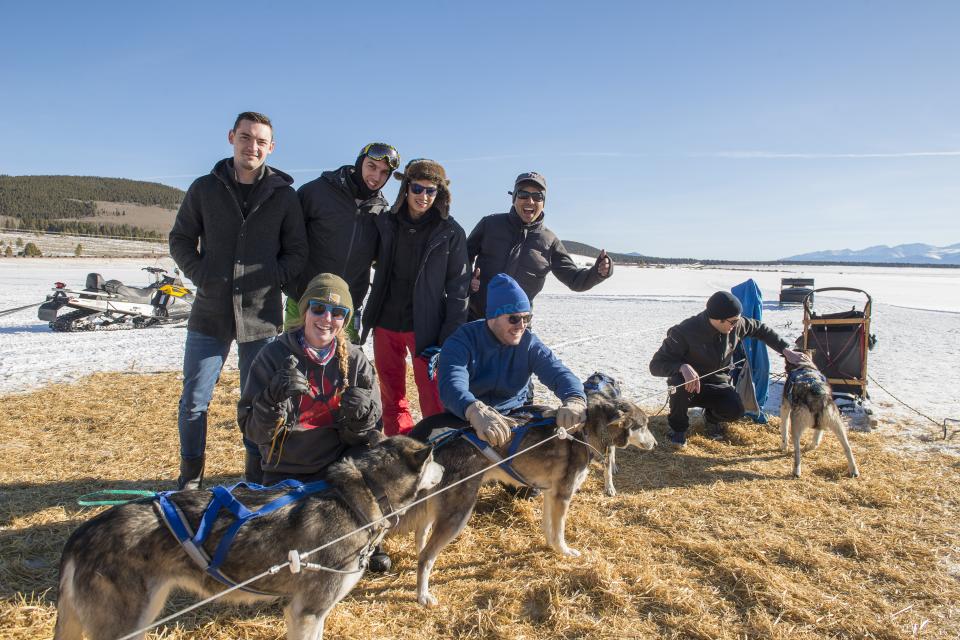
{"x":855,"y":474}
{"x":796,"y":474}
{"x":610,"y":491}
{"x":427,"y":600}
{"x":570,"y":552}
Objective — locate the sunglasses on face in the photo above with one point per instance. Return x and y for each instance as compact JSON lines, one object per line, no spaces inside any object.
{"x":536,"y":196}
{"x":382,"y":151}
{"x":517,"y":318}
{"x":417,"y":189}
{"x":732,"y":321}
{"x":319,"y":308}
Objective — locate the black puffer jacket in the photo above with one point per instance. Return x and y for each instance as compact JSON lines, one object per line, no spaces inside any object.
{"x":503,"y":243}
{"x":695,"y":342}
{"x":313,"y":426}
{"x":238,"y":263}
{"x":439,"y":288}
{"x":342,"y":235}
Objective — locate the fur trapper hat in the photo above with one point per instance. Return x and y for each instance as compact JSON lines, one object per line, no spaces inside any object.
{"x":423,"y":169}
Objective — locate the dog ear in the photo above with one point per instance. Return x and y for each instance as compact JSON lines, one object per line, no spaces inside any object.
{"x":422,"y":456}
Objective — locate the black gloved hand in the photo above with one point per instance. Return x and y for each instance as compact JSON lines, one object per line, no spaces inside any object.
{"x":287,"y":383}
{"x":355,"y":404}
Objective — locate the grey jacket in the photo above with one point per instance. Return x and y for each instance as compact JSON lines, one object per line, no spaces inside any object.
{"x":695,"y":342}
{"x":503,"y":243}
{"x":341,"y":234}
{"x":238,"y":264}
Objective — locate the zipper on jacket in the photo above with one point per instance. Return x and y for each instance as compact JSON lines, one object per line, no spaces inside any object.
{"x":426,"y":254}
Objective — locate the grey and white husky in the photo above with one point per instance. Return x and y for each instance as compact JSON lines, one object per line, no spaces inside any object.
{"x":557,"y":467}
{"x":808,"y":404}
{"x":118,"y":568}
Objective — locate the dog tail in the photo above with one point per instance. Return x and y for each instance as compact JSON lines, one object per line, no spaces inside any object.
{"x":68,"y":618}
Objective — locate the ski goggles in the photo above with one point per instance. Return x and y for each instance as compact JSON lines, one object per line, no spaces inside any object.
{"x":517,"y":318}
{"x":319,"y":308}
{"x":382,"y":151}
{"x":536,"y":196}
{"x":417,"y":189}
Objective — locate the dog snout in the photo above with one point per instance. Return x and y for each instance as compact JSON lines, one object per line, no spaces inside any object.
{"x":642,"y":438}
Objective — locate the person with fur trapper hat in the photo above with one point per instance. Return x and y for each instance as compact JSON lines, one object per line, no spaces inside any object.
{"x":312,"y":396}
{"x":519,"y":244}
{"x":419,"y":294}
{"x":340,"y":210}
{"x":703,"y":345}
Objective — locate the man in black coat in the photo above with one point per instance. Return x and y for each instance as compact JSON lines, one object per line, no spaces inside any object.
{"x":698,"y":354}
{"x":239,"y":237}
{"x":518,"y":244}
{"x":340,"y":210}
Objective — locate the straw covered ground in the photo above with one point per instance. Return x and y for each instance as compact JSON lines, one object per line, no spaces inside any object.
{"x":714,"y":541}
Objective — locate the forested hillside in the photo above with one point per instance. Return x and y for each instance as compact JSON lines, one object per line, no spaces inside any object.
{"x":70,"y":203}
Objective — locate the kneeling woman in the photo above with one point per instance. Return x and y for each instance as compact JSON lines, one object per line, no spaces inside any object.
{"x":311,"y":395}
{"x":419,"y":294}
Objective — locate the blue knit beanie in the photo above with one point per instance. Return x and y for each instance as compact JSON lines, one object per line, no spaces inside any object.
{"x":504,"y":295}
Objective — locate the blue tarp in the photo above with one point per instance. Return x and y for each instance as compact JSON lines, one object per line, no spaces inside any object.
{"x":751,"y":298}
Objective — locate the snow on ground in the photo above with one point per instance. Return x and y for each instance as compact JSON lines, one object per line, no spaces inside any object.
{"x":616,"y":328}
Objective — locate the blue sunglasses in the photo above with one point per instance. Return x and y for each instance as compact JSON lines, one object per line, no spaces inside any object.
{"x":419,"y":188}
{"x":319,"y":308}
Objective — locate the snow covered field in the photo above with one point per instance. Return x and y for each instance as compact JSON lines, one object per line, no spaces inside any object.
{"x":615,"y":328}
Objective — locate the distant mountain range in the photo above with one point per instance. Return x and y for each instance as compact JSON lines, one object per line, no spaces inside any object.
{"x":916,"y":253}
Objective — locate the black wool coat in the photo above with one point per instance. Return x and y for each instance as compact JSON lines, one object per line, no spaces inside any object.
{"x":238,"y":263}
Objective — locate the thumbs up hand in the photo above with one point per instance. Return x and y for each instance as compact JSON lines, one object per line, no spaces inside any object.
{"x":604,"y":264}
{"x":475,"y":281}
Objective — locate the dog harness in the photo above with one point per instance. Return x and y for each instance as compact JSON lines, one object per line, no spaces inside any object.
{"x":601,"y":383}
{"x":223,"y":499}
{"x":805,"y":377}
{"x":518,"y":433}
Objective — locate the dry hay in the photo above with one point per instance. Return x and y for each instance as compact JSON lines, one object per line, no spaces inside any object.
{"x":714,"y":541}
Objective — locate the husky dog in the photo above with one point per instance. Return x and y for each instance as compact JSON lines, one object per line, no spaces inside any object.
{"x":808,"y":403}
{"x":557,"y":467}
{"x":603,"y":385}
{"x":118,"y":568}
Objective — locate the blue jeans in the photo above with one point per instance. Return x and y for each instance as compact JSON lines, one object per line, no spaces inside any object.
{"x":203,"y":358}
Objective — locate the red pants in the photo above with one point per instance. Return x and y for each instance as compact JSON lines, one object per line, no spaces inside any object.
{"x":390,"y":357}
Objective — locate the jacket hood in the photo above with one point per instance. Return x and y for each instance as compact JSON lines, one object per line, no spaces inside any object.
{"x":273,"y":177}
{"x":341,"y":179}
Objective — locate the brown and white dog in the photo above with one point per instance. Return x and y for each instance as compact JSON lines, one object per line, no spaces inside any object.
{"x":808,"y":404}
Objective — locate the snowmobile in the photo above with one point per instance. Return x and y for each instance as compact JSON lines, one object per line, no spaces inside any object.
{"x":113,"y":305}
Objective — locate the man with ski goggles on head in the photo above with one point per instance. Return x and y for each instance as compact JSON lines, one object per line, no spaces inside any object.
{"x":486,"y":365}
{"x":517,"y":243}
{"x":340,"y":208}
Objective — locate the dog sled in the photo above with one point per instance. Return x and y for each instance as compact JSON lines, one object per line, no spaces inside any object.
{"x":840,"y":342}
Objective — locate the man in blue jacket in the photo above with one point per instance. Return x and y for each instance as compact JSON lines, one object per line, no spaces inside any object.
{"x":485,"y":366}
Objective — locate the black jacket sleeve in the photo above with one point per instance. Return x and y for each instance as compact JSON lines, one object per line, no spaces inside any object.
{"x":567,"y":272}
{"x":457,"y":287}
{"x":751,"y":328}
{"x":185,"y":236}
{"x":670,"y":356}
{"x":293,"y":243}
{"x":259,"y":418}
{"x":474,"y":242}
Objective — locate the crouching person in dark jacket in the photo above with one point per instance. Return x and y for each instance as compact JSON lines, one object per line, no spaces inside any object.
{"x":698,"y":354}
{"x":311,"y":396}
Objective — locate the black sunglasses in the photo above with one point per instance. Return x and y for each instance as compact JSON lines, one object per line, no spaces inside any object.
{"x":419,"y":188}
{"x":536,"y":196}
{"x":517,"y":318}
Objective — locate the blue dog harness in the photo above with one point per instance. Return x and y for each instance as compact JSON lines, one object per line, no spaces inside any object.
{"x":805,"y":377}
{"x":223,"y":499}
{"x":518,"y":433}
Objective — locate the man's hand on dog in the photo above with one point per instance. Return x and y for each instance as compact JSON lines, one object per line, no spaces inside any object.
{"x":287,"y":383}
{"x":572,"y":414}
{"x":691,"y":379}
{"x":795,"y":357}
{"x":491,"y":426}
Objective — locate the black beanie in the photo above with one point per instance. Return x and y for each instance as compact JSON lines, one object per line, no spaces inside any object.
{"x":723,"y":305}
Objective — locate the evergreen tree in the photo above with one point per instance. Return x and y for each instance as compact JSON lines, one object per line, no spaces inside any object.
{"x":78,"y":251}
{"x":32,"y":251}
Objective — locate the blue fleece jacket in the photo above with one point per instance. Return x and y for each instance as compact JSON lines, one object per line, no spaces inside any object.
{"x":474,"y":365}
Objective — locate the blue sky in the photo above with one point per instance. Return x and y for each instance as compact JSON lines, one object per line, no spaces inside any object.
{"x":737,"y":130}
